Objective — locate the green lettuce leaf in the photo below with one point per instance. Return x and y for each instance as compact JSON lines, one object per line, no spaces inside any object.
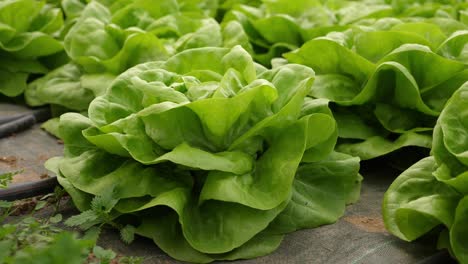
{"x":105,"y":39}
{"x":434,"y":191}
{"x":210,"y":153}
{"x":404,"y":86}
{"x":28,"y":32}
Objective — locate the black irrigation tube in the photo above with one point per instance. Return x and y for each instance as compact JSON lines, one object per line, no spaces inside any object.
{"x":14,"y":124}
{"x":17,"y":123}
{"x":30,"y":189}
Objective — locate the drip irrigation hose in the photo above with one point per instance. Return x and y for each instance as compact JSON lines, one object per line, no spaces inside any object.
{"x":17,"y":123}
{"x":29,"y":189}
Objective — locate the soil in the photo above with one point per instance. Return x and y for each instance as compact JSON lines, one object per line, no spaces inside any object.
{"x":9,"y":160}
{"x":368,"y":224}
{"x":26,"y":153}
{"x":26,"y":173}
{"x":23,"y":207}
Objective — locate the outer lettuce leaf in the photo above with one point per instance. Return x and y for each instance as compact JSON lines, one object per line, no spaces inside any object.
{"x":52,"y":126}
{"x":458,"y":232}
{"x":379,"y":146}
{"x":204,"y":148}
{"x":66,"y":86}
{"x":320,"y":192}
{"x":167,"y":235}
{"x":406,"y":89}
{"x":455,"y":47}
{"x":434,"y":190}
{"x":453,"y":123}
{"x":416,"y":202}
{"x":27,"y":32}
